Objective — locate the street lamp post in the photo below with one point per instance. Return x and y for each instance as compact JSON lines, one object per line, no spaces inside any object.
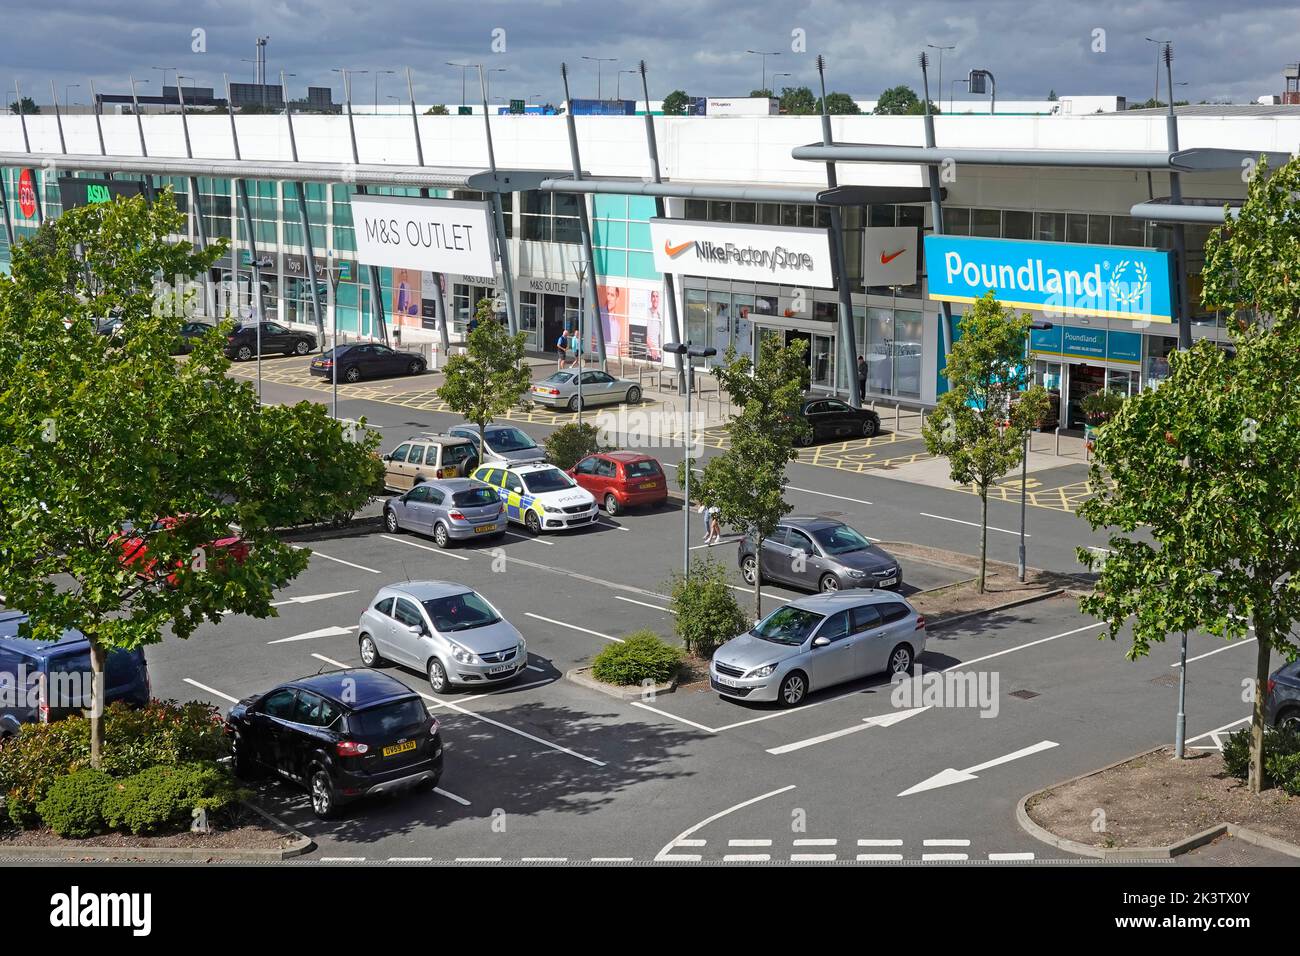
{"x":687,"y":352}
{"x":462,"y":67}
{"x":764,"y":54}
{"x":487,"y":81}
{"x":73,"y":86}
{"x":1024,"y":463}
{"x":377,"y":73}
{"x":580,"y":267}
{"x":941,"y":49}
{"x":599,"y":60}
{"x":163,"y":84}
{"x":335,"y":272}
{"x":618,"y":83}
{"x":1160,"y":45}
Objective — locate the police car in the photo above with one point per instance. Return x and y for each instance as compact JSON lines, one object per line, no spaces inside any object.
{"x":540,"y":496}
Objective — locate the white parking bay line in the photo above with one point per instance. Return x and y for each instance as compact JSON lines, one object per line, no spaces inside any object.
{"x":827,"y":494}
{"x":1018,"y":647}
{"x":425,"y":547}
{"x":310,"y":598}
{"x":766,"y":594}
{"x":680,"y":720}
{"x":529,"y":537}
{"x":330,"y":660}
{"x":717,"y":544}
{"x":328,"y":557}
{"x":322,"y":632}
{"x":548,"y":620}
{"x":656,"y":607}
{"x":451,"y":796}
{"x":610,"y":524}
{"x":1220,"y":650}
{"x":926,"y":514}
{"x":217,"y":693}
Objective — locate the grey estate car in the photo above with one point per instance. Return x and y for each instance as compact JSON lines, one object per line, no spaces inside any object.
{"x":450,"y":509}
{"x":1282,"y":705}
{"x":816,"y":642}
{"x":505,"y":444}
{"x":447,"y":630}
{"x":820,"y":554}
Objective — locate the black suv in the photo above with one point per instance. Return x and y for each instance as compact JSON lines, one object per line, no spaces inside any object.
{"x":241,"y":344}
{"x":342,"y":735}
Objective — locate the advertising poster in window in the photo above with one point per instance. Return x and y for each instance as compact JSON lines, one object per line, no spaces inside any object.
{"x":430,"y":287}
{"x":613,"y":316}
{"x":406,"y":296}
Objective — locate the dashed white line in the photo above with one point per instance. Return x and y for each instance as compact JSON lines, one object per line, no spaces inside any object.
{"x":654,"y":607}
{"x":1011,"y":856}
{"x":478,"y":859}
{"x":543,"y":859}
{"x":329,"y":557}
{"x":746,"y":858}
{"x":611,"y":859}
{"x":691,"y":842}
{"x":812,"y":857}
{"x":678,"y":858}
{"x":685,"y":834}
{"x":945,"y":842}
{"x":880,"y":843}
{"x":830,"y":842}
{"x":342,"y":859}
{"x":425,"y":547}
{"x":926,"y":514}
{"x":205,"y":687}
{"x":749,"y":843}
{"x":937,"y":857}
{"x":879,"y":857}
{"x":410,"y":859}
{"x":550,"y":620}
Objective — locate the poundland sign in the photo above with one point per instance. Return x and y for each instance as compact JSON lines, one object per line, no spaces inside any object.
{"x":432,"y":235}
{"x":1057,"y":278}
{"x":751,"y":253}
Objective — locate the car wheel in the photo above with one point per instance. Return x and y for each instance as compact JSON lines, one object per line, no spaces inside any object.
{"x":390,"y":521}
{"x":869,"y":427}
{"x":353,"y":374}
{"x":244,"y":353}
{"x":323,"y":803}
{"x":533,"y":523}
{"x":440,"y":536}
{"x":900,"y":661}
{"x":612,"y":507}
{"x":807,"y":438}
{"x":240,"y":759}
{"x":438,"y":676}
{"x":633,"y":395}
{"x":793,"y":689}
{"x":575,"y":403}
{"x":302,"y":347}
{"x":1289,"y":719}
{"x":749,"y":569}
{"x":369,"y":652}
{"x":415,"y":368}
{"x":829,"y":584}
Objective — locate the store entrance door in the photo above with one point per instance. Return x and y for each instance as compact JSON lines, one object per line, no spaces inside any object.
{"x":792,"y":335}
{"x":552,"y":321}
{"x":1084,"y":381}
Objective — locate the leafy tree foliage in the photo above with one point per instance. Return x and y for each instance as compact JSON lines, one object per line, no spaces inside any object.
{"x":902,"y":101}
{"x":840,"y":104}
{"x":490,"y":376}
{"x":675,"y":103}
{"x":798,"y":101}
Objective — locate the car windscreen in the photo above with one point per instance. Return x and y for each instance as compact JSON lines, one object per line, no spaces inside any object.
{"x":840,"y":539}
{"x":787,"y":625}
{"x":474,"y":498}
{"x":559,"y":378}
{"x":548,"y":479}
{"x":642,"y":469}
{"x":387,"y":720}
{"x":460,"y":612}
{"x":510,"y":439}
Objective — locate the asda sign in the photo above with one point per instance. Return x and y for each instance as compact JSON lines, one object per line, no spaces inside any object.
{"x":1056,"y":278}
{"x":75,"y":192}
{"x":746,"y":252}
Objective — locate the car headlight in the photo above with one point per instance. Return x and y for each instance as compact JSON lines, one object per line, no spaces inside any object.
{"x":521,"y":650}
{"x":463,"y":655}
{"x":765,"y":671}
{"x":857,"y":574}
{"x":549,"y":510}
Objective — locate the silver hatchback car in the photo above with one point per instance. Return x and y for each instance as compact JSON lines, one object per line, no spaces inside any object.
{"x":452,"y":509}
{"x":447,"y":630}
{"x":815,"y":642}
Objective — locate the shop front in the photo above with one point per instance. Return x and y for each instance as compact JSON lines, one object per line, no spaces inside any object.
{"x":1072,"y":362}
{"x":546,"y":308}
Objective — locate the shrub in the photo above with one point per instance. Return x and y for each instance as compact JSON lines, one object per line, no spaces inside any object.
{"x":74,"y":805}
{"x":642,"y":656}
{"x":164,"y":732}
{"x":570,"y":443}
{"x":1281,"y":757}
{"x":706,"y":608}
{"x":165,"y":797}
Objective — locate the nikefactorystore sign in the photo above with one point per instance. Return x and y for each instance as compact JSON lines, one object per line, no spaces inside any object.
{"x":749,"y":253}
{"x":1056,"y":278}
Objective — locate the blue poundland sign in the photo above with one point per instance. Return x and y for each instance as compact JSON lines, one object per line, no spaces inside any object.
{"x":1058,"y":278}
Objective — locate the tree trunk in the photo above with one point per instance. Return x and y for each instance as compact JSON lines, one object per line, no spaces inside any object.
{"x":984,"y":535}
{"x":1263,"y":645}
{"x":97,"y":656}
{"x":758,"y":578}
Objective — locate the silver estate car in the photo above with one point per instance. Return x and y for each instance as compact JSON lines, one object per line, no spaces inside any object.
{"x":450,"y":509}
{"x":506,"y":445}
{"x":560,"y":390}
{"x":820,"y":554}
{"x":447,"y":630}
{"x":818,"y":641}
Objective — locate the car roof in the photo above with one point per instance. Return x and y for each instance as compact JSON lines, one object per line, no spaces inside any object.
{"x":839,"y":600}
{"x":354,"y":688}
{"x":527,"y":469}
{"x":435,"y":438}
{"x":9,"y":624}
{"x":810,"y":522}
{"x":428,"y":590}
{"x":455,"y":484}
{"x":626,"y":457}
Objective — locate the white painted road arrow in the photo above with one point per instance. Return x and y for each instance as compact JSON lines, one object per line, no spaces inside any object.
{"x":310,"y":598}
{"x":323,"y":632}
{"x":950,"y":776}
{"x":884,"y":720}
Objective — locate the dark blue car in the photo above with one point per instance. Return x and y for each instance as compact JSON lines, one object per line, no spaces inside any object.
{"x":41,"y":681}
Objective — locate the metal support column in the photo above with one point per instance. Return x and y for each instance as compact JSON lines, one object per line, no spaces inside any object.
{"x":670,"y":281}
{"x":9,"y":225}
{"x":196,"y":207}
{"x":584,"y":222}
{"x":305,"y":222}
{"x":139,"y":123}
{"x":847,"y":337}
{"x":936,"y":207}
{"x":498,"y":216}
{"x":254,"y":267}
{"x":376,"y":292}
{"x":1180,"y":230}
{"x":440,"y":307}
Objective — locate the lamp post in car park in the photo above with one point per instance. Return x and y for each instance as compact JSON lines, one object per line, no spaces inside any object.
{"x":335,"y":273}
{"x":688,"y":352}
{"x":1024,"y":460}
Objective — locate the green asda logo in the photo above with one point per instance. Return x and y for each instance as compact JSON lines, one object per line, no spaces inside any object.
{"x":97,"y":193}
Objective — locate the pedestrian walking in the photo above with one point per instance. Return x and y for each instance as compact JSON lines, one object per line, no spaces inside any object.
{"x":713,"y":521}
{"x":862,"y":377}
{"x":562,"y":346}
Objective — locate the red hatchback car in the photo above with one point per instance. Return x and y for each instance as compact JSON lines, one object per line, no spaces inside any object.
{"x":622,"y":479}
{"x":135,"y":550}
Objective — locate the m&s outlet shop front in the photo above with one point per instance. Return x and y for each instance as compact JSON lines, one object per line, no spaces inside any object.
{"x":1111,"y":309}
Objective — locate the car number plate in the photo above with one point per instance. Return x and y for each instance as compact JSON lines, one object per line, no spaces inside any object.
{"x":650,"y":484}
{"x":501,"y":668}
{"x":485,"y":528}
{"x":886,"y":582}
{"x":726,"y":681}
{"x":399,"y":748}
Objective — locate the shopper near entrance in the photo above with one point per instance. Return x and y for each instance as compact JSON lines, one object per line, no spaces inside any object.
{"x":862,"y":376}
{"x":562,"y":347}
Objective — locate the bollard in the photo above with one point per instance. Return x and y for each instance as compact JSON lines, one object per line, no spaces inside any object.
{"x":1058,"y":441}
{"x":898,"y":416}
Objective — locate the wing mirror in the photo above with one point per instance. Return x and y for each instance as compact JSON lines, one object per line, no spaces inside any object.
{"x":821,"y":642}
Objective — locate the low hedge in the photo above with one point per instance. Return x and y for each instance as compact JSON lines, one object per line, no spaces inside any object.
{"x":74,"y":805}
{"x":707,"y":611}
{"x":1281,"y":757}
{"x":642,"y":656}
{"x":165,"y":798}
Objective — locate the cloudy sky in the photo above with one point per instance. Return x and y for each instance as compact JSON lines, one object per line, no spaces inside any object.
{"x":1230,"y":51}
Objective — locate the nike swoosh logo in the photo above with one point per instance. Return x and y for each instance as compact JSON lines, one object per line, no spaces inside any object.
{"x":677,"y":250}
{"x":887,"y":259}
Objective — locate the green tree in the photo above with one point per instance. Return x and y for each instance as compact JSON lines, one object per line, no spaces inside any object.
{"x":437,"y":109}
{"x":840,"y":104}
{"x":675,"y":103}
{"x":980,"y":423}
{"x":29,"y":106}
{"x":798,"y":101}
{"x":902,"y":101}
{"x":746,"y":483}
{"x":763,"y":93}
{"x":97,"y":433}
{"x":1204,"y":465}
{"x":489,"y":377}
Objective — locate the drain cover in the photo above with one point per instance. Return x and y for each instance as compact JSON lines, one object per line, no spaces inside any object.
{"x":1024,"y":694}
{"x":1165,"y":680}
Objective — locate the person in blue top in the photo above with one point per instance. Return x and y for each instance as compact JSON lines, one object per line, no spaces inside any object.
{"x":562,"y":346}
